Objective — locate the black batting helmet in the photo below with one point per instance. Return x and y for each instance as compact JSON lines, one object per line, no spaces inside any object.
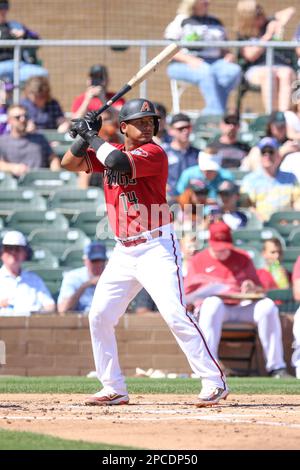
{"x":138,"y":108}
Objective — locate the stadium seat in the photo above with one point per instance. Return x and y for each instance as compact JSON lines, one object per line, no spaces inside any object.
{"x":284,"y":222}
{"x":20,"y":199}
{"x":294,"y":237}
{"x":7,"y":181}
{"x":28,"y":220}
{"x":284,"y":300}
{"x":95,"y":226}
{"x":289,"y":258}
{"x":72,"y":258}
{"x":255,"y":237}
{"x":57,"y":241}
{"x":52,"y":278}
{"x":46,"y":182}
{"x":259,"y":125}
{"x":42,"y":258}
{"x":72,"y":201}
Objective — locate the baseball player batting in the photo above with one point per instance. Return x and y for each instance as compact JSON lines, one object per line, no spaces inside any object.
{"x":146,"y":253}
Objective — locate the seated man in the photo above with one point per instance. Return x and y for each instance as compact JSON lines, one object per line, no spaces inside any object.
{"x":228,"y":193}
{"x":207,"y":170}
{"x":21,"y":151}
{"x":269,"y":188}
{"x":229,"y":148}
{"x":224,"y":271}
{"x":21,"y":292}
{"x":78,"y":285}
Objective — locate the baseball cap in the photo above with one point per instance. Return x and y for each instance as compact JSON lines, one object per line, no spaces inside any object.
{"x":14,"y":238}
{"x":228,"y":187}
{"x":208,"y":162}
{"x":220,"y":236}
{"x":198,"y":186}
{"x":98,"y":69}
{"x":268,"y":142}
{"x":95,"y":251}
{"x":277,"y":117}
{"x":180,"y":117}
{"x":231,"y":118}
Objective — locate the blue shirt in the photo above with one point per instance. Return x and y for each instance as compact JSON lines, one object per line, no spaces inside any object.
{"x":194,"y":173}
{"x":25,"y":293}
{"x":178,"y":161}
{"x":72,"y":281}
{"x":46,"y":117}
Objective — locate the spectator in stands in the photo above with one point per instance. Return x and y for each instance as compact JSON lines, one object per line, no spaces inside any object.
{"x":277,"y":129}
{"x":292,"y":117}
{"x":228,"y":199}
{"x":181,"y":154}
{"x":191,"y":214}
{"x":44,"y":112}
{"x":79,"y":284}
{"x":110,"y":133}
{"x":143,"y":303}
{"x":229,"y":148}
{"x":188,"y":246}
{"x":253,"y":24}
{"x":96,"y":93}
{"x":21,"y":151}
{"x":21,"y":292}
{"x":162,"y":137}
{"x":29,"y":65}
{"x":212,"y":69}
{"x":225,"y":271}
{"x":296,"y":325}
{"x":273,"y":275}
{"x":6,"y":92}
{"x":208,"y":170}
{"x":269,"y":188}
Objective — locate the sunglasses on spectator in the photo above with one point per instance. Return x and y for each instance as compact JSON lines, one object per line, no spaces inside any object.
{"x":180,"y":129}
{"x":232,"y":121}
{"x":13,"y":247}
{"x":268,"y":151}
{"x":20,"y":116}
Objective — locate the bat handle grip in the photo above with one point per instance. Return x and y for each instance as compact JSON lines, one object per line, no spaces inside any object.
{"x":118,"y":95}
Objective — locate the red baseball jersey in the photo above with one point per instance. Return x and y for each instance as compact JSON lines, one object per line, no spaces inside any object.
{"x":137,"y":202}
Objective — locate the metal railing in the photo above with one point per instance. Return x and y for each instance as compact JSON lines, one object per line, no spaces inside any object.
{"x":144,"y":45}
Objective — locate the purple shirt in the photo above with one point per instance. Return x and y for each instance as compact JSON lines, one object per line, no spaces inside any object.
{"x":46,"y":117}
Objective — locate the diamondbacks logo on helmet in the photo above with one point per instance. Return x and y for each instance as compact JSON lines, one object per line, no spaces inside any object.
{"x":145,"y":107}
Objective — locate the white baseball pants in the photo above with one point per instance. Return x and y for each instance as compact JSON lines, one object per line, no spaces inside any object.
{"x":296,"y":343}
{"x":155,"y":265}
{"x":264,"y":313}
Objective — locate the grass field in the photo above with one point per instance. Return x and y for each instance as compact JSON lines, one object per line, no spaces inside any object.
{"x":253,"y":385}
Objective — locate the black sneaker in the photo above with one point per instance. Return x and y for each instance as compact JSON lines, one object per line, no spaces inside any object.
{"x":280,"y":374}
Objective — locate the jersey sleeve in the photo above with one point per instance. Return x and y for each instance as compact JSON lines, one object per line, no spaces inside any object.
{"x":147,"y":160}
{"x":93,"y":163}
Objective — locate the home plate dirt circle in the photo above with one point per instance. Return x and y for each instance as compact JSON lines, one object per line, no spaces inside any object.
{"x":160,"y":421}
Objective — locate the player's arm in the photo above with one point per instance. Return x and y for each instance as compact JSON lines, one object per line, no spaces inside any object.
{"x":106,"y":153}
{"x":75,"y":157}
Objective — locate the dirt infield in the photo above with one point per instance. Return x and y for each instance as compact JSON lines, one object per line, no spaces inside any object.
{"x":161,"y":421}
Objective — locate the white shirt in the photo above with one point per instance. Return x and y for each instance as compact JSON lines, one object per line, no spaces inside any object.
{"x":25,"y":293}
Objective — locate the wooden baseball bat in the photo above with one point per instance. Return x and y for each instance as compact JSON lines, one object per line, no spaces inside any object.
{"x":164,"y":56}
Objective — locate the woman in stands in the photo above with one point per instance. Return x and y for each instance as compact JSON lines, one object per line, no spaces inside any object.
{"x":252,"y":21}
{"x":44,"y":112}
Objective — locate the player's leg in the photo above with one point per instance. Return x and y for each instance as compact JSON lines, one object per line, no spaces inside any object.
{"x":296,"y":343}
{"x":115,"y":289}
{"x":159,"y":270}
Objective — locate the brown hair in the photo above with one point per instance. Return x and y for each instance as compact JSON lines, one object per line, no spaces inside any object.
{"x":273,"y":240}
{"x":246,"y":12}
{"x":37,"y":86}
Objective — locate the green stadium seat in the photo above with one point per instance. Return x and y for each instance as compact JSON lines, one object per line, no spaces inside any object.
{"x":57,"y":241}
{"x":20,"y":199}
{"x":294,"y":237}
{"x":255,"y":237}
{"x":284,"y":300}
{"x":72,"y":201}
{"x":289,"y":258}
{"x":95,"y":226}
{"x":7,"y":181}
{"x":46,"y":182}
{"x":41,"y":258}
{"x":28,"y":220}
{"x":72,"y":258}
{"x":52,"y":278}
{"x":259,"y":125}
{"x":284,"y":222}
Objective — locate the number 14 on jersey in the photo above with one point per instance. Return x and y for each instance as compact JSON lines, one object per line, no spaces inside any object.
{"x":131,"y":198}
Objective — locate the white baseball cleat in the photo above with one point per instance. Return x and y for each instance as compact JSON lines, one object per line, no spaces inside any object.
{"x":106,"y":399}
{"x":212,"y":397}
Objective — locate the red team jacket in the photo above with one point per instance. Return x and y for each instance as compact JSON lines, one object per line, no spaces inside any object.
{"x":137,"y":202}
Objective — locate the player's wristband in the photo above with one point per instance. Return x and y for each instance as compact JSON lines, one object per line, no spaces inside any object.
{"x":79,"y":147}
{"x":102,"y":149}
